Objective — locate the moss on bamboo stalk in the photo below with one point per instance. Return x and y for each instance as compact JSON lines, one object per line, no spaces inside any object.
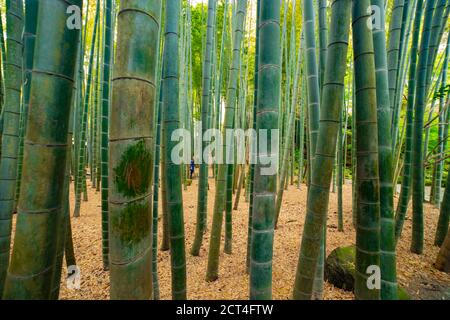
{"x":131,"y":149}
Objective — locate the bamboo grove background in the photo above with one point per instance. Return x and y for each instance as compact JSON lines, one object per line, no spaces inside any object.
{"x":354,"y":103}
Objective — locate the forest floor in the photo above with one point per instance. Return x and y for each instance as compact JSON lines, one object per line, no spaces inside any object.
{"x":416,"y":273}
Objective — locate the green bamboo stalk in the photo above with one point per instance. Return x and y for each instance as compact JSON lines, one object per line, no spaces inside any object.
{"x":105,"y":106}
{"x":308,"y":146}
{"x":156,"y":293}
{"x":64,"y":215}
{"x":165,"y":243}
{"x":439,"y":165}
{"x":80,"y":94}
{"x":78,"y":108}
{"x":45,"y":154}
{"x":265,"y":186}
{"x":181,"y":83}
{"x":252,"y":147}
{"x":405,"y":193}
{"x":312,"y":74}
{"x":157,"y":174}
{"x":301,"y":160}
{"x":96,"y":111}
{"x":171,"y":122}
{"x":68,"y":246}
{"x":444,"y":217}
{"x":393,"y":57}
{"x":367,"y":181}
{"x":243,"y":87}
{"x":212,"y":272}
{"x":289,"y":136}
{"x":63,"y":220}
{"x":398,"y":161}
{"x":202,"y":209}
{"x":285,"y":108}
{"x":283,"y":60}
{"x":340,"y":172}
{"x":29,"y":36}
{"x":68,"y":241}
{"x":435,"y":38}
{"x":81,"y":174}
{"x":435,"y":101}
{"x":10,"y":131}
{"x":407,"y":20}
{"x":385,"y":158}
{"x":419,"y":108}
{"x":426,"y":143}
{"x":323,"y":40}
{"x":319,"y":189}
{"x":242,"y":178}
{"x":2,"y":75}
{"x":354,"y":158}
{"x":228,"y":247}
{"x":294,"y":157}
{"x":313,"y":83}
{"x":219,"y":77}
{"x":131,"y":152}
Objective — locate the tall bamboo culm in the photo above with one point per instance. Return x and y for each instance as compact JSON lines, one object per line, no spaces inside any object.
{"x":442,"y":125}
{"x":333,"y":93}
{"x":28,"y":39}
{"x":393,"y":56}
{"x":367,"y":178}
{"x":405,"y":194}
{"x":10,"y":132}
{"x":265,"y":183}
{"x":212,"y":272}
{"x":171,"y":122}
{"x":313,"y":84}
{"x":80,"y":177}
{"x":385,"y":158}
{"x":418,"y":156}
{"x":45,"y":155}
{"x":107,"y":62}
{"x":444,"y":216}
{"x":131,"y":150}
{"x":252,"y":153}
{"x":202,"y":208}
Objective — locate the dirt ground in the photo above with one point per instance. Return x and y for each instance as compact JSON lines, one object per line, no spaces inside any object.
{"x":415,"y":273}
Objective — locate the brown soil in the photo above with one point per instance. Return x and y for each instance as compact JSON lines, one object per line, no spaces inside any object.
{"x":233,"y":281}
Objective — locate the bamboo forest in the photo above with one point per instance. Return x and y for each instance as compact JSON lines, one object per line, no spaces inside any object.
{"x":224,"y":150}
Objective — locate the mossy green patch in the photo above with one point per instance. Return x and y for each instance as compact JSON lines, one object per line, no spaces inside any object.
{"x":134,"y":223}
{"x":346,"y":256}
{"x":132,"y":175}
{"x":340,"y":270}
{"x":402,"y":294}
